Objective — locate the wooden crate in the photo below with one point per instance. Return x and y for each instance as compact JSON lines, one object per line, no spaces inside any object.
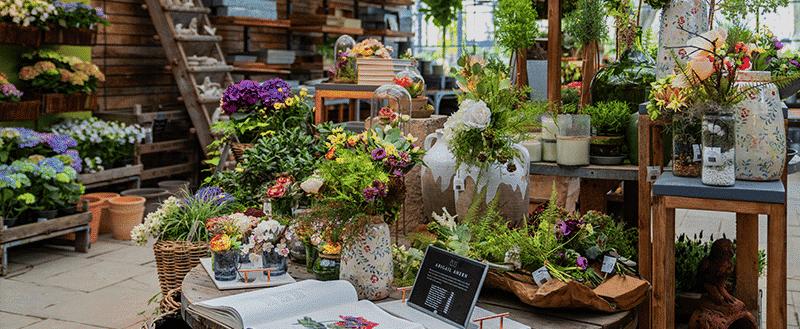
{"x":110,"y":176}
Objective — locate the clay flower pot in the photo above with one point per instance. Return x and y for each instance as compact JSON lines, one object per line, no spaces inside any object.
{"x":126,"y":203}
{"x":105,"y":220}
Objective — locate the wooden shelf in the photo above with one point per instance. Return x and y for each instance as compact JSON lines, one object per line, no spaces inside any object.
{"x":207,"y":69}
{"x":110,"y":174}
{"x":177,"y":9}
{"x":198,"y":38}
{"x":173,"y":145}
{"x":390,"y":2}
{"x":389,"y":33}
{"x":338,"y":30}
{"x":261,"y":68}
{"x":167,"y":171}
{"x":249,"y":21}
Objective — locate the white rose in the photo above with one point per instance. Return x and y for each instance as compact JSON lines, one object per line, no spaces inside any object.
{"x":312,"y":184}
{"x":477,"y":115}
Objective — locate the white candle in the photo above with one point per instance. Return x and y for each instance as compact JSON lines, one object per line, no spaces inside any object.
{"x":549,"y":150}
{"x":549,"y":128}
{"x":534,"y":149}
{"x":573,"y":151}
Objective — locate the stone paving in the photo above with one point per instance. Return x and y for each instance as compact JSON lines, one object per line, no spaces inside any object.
{"x":109,"y":287}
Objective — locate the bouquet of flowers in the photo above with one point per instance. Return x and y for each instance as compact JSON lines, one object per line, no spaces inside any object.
{"x":281,"y":195}
{"x":100,"y":143}
{"x":491,"y":116}
{"x":27,"y":13}
{"x":268,"y":236}
{"x":371,"y":48}
{"x":21,"y":143}
{"x":45,"y":71}
{"x":8,"y":92}
{"x":414,"y":89}
{"x":79,"y":15}
{"x":184,"y":219}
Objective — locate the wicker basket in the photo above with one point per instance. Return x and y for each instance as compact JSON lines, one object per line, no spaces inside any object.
{"x":171,"y":301}
{"x":176,"y":258}
{"x":238,"y":150}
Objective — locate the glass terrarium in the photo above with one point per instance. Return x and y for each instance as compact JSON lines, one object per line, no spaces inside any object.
{"x":574,"y":135}
{"x":345,"y":69}
{"x":390,"y":103}
{"x":412,"y":81}
{"x":719,"y":145}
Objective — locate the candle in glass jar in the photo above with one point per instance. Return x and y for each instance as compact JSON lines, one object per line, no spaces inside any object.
{"x":549,"y":128}
{"x":573,"y":151}
{"x":534,"y":149}
{"x":549,"y":150}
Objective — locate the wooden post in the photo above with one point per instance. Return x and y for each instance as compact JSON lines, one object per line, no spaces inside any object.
{"x":588,"y":70}
{"x":554,"y":51}
{"x":522,"y":68}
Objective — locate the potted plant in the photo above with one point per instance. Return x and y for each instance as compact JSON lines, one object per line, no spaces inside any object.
{"x":609,"y":120}
{"x":21,"y":22}
{"x":63,"y":83}
{"x":587,"y":26}
{"x":225,"y":245}
{"x":268,"y":239}
{"x":74,"y":24}
{"x":102,"y":144}
{"x":11,"y":106}
{"x":516,"y":31}
{"x":328,"y":264}
{"x":52,"y":183}
{"x":415,"y":85}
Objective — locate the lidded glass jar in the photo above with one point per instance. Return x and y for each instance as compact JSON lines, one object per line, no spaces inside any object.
{"x":345,"y":69}
{"x":719,"y":148}
{"x":412,"y":80}
{"x":390,"y":103}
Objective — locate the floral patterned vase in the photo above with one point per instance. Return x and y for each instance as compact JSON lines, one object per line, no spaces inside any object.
{"x":367,"y":262}
{"x":510,"y":187}
{"x":679,"y":20}
{"x":760,"y":136}
{"x":437,"y":176}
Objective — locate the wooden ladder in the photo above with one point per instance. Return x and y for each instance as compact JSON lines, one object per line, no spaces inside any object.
{"x":164,"y":15}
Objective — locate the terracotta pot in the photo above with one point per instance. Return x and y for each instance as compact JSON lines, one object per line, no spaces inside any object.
{"x":105,"y":221}
{"x":126,"y":203}
{"x":96,"y":206}
{"x":124,"y":221}
{"x":153,"y":196}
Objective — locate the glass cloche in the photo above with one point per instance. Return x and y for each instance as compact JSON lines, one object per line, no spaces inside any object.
{"x":391,"y":105}
{"x":345,"y":70}
{"x":412,"y":80}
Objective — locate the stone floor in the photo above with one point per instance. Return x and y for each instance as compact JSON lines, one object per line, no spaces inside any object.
{"x":109,"y":287}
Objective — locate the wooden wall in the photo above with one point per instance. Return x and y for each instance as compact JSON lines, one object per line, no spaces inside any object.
{"x":134,"y":62}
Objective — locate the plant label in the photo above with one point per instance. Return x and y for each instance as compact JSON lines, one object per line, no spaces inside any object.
{"x":653,"y":173}
{"x":608,"y":264}
{"x":712,"y":156}
{"x":458,"y":183}
{"x":698,"y":153}
{"x":541,"y":276}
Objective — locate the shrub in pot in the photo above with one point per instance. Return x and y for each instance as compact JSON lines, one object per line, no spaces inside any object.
{"x":609,"y":120}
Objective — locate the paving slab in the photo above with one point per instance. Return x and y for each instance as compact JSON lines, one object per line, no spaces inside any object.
{"x":147,"y":282}
{"x":96,"y":276}
{"x":111,"y":307}
{"x":58,"y":324}
{"x":41,"y":272}
{"x":17,"y":268}
{"x":15,"y":321}
{"x":32,"y":299}
{"x":95,"y":250}
{"x":130,"y":254}
{"x":31,"y":257}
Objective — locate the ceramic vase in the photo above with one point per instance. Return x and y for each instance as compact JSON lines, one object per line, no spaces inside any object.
{"x":273,"y":259}
{"x":681,"y":20}
{"x":511,"y":188}
{"x":367,"y":261}
{"x":224,"y":264}
{"x":437,"y":177}
{"x":760,"y":135}
{"x":719,"y":149}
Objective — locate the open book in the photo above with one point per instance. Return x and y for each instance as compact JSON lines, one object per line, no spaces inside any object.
{"x":305,"y":304}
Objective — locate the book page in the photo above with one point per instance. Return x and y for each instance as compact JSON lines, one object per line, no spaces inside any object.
{"x":361,"y":314}
{"x":269,"y":304}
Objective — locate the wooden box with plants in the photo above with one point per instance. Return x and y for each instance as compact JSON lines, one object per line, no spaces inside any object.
{"x":610,"y":121}
{"x":11,"y":106}
{"x":62,"y":83}
{"x":74,"y":23}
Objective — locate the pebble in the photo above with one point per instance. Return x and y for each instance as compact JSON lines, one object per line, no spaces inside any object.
{"x":724,"y":175}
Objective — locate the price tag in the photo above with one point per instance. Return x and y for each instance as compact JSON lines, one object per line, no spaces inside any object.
{"x":698,"y":153}
{"x":608,"y":264}
{"x":653,"y":173}
{"x":159,"y":126}
{"x":712,"y":156}
{"x":541,"y":276}
{"x":458,"y":183}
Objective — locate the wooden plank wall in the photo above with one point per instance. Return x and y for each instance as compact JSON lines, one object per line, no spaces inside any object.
{"x":134,"y":62}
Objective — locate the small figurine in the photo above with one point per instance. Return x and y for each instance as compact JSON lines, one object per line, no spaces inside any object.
{"x":210,"y":89}
{"x":186,"y":3}
{"x":210,"y":30}
{"x":718,"y":309}
{"x":188,"y":31}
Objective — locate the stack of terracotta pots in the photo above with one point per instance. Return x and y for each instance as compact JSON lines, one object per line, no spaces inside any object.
{"x":125,"y":213}
{"x":102,"y":209}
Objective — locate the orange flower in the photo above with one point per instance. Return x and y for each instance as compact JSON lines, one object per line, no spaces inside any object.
{"x":220,"y":242}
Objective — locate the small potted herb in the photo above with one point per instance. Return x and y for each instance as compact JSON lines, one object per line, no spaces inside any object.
{"x":609,"y":119}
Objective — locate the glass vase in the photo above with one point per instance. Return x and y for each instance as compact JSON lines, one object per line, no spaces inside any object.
{"x":224,"y":264}
{"x":719,"y":148}
{"x":297,"y":249}
{"x":326,"y":267}
{"x":274,"y":259}
{"x":686,"y":146}
{"x":311,"y":257}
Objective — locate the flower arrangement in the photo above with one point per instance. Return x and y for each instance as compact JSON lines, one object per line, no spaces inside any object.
{"x":268,"y":236}
{"x":257,"y":108}
{"x":282,"y":194}
{"x":8,"y":92}
{"x":100,"y":143}
{"x":370,"y":48}
{"x":331,"y":248}
{"x":228,"y":231}
{"x":414,"y":89}
{"x":345,"y":69}
{"x":665,"y":99}
{"x":185,"y":219}
{"x":27,"y":13}
{"x":79,"y":15}
{"x":45,"y":71}
{"x":21,"y":143}
{"x":491,"y":114}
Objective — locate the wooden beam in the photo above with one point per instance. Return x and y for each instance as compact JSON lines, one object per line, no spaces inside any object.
{"x":554,"y":51}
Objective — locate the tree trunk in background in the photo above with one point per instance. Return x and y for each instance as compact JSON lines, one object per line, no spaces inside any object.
{"x":588,"y":70}
{"x":554,"y":52}
{"x":522,"y":68}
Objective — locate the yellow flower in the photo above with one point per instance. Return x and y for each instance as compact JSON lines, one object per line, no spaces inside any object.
{"x":289,"y":102}
{"x":390,"y":149}
{"x":239,"y":169}
{"x":337,"y":130}
{"x":278,"y":106}
{"x":304,"y":92}
{"x":340,"y":160}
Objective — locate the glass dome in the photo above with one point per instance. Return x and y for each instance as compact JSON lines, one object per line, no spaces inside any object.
{"x":345,"y":70}
{"x":343,"y":44}
{"x":411,"y":80}
{"x":391,"y":105}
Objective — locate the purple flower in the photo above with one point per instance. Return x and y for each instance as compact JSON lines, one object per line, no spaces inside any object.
{"x":778,"y":45}
{"x":794,"y":62}
{"x":398,"y":173}
{"x":582,"y":262}
{"x":369,"y":194}
{"x":378,"y":154}
{"x":76,"y":160}
{"x":390,"y":161}
{"x":380,"y":188}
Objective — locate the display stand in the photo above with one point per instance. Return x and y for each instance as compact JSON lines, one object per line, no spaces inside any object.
{"x":352,"y":92}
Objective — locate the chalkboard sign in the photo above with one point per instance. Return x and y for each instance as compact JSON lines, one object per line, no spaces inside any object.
{"x":159,"y":126}
{"x":447,"y":286}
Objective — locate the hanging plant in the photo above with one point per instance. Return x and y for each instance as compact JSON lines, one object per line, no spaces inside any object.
{"x":587,"y":26}
{"x":442,"y":13}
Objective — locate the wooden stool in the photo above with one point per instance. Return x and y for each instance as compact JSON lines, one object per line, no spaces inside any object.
{"x":747,"y":200}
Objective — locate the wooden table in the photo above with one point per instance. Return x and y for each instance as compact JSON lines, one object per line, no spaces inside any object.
{"x":747,"y":200}
{"x":197,"y":286}
{"x":353,"y":92}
